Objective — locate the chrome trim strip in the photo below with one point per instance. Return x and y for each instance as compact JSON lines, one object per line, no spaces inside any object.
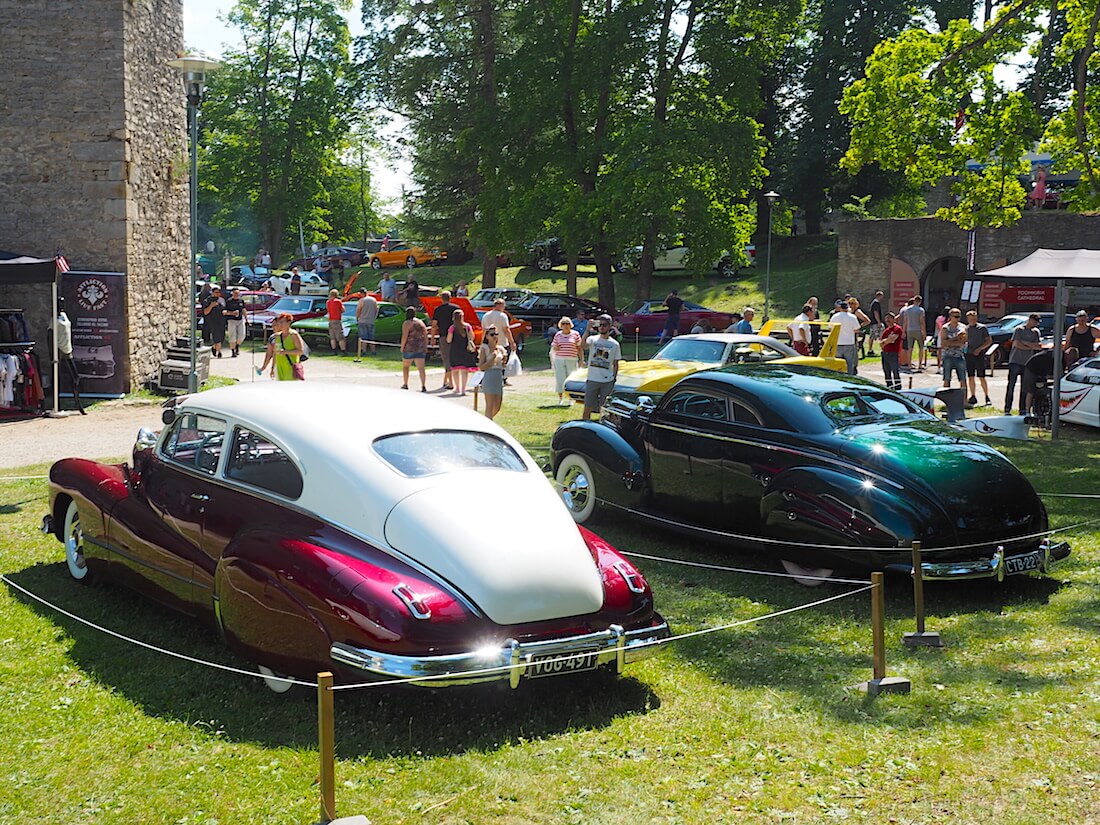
{"x":509,"y":662}
{"x":819,"y":456}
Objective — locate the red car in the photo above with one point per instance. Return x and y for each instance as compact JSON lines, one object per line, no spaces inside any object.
{"x":300,"y":307}
{"x":311,"y":553}
{"x":649,"y":318}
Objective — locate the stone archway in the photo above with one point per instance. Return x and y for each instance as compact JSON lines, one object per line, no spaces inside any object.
{"x":941,"y":283}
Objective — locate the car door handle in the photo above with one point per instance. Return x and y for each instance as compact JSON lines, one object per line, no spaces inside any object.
{"x":200,"y":497}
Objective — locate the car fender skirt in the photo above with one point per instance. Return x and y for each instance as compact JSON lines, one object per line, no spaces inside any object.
{"x":820,"y":506}
{"x":613,"y":460}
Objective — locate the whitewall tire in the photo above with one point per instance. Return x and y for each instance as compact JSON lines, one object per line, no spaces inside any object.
{"x":807,"y":576}
{"x":74,"y":544}
{"x":272,"y":680}
{"x":577,"y":486}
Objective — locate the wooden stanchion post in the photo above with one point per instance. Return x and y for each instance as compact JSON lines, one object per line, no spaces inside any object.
{"x":880,"y":682}
{"x":326,"y":740}
{"x":922,"y":638}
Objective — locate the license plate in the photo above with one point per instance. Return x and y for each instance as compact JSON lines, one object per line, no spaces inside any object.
{"x":559,"y":665}
{"x":1022,"y":564}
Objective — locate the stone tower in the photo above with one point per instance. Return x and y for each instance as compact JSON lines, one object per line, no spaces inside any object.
{"x":94,"y":156}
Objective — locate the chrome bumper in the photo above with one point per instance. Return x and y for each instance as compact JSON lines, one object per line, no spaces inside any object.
{"x":999,"y":565}
{"x":510,"y":661}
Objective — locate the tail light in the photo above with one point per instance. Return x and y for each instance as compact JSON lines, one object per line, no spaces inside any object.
{"x":634,"y":580}
{"x":412,"y":601}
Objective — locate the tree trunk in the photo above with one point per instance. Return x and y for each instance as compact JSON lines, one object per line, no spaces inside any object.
{"x":488,"y":269}
{"x":604,"y":277}
{"x":571,"y":273}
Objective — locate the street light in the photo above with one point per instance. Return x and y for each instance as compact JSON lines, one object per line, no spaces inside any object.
{"x":194,"y":68}
{"x":771,"y":198}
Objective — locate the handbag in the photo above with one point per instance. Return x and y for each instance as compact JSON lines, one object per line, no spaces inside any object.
{"x":296,"y":368}
{"x":513,"y":368}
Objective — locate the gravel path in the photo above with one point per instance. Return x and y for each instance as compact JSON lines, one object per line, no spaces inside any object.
{"x":109,"y":429}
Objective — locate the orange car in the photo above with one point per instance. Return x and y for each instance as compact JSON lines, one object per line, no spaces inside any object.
{"x":407,"y":255}
{"x":520,"y":329}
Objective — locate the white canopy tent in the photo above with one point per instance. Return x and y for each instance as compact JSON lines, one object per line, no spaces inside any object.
{"x":1057,"y":266}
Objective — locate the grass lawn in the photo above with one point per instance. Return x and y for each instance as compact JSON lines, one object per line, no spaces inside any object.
{"x":755,"y":724}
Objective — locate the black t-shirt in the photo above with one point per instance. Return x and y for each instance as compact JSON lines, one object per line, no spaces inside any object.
{"x":876,"y":311}
{"x":444,"y":317}
{"x":1040,"y":364}
{"x":674,"y":304}
{"x":234,"y":309}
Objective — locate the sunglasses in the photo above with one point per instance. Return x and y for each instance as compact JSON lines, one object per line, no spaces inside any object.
{"x":493,"y":333}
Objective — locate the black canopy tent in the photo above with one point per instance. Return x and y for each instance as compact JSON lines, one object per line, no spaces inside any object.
{"x":1057,"y":266}
{"x":20,"y":269}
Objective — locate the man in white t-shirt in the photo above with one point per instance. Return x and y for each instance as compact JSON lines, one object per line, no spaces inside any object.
{"x":799,"y":331}
{"x":846,"y":347}
{"x":604,"y":355}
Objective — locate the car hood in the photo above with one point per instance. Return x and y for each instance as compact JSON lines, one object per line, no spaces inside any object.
{"x":636,"y":375}
{"x":475,"y":530}
{"x":980,"y":491}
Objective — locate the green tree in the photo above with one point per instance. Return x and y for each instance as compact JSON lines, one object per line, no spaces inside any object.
{"x":276,"y":116}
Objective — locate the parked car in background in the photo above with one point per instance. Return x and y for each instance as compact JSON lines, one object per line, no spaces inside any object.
{"x":675,"y":258}
{"x":387,"y":328}
{"x":312,"y":284}
{"x":257,"y":300}
{"x":1001,"y":331}
{"x":310,"y":553}
{"x":521,"y":330}
{"x":352,"y":254}
{"x":837,"y":470}
{"x":251,"y":277}
{"x":544,"y":255}
{"x":686,"y":354}
{"x":300,"y":307}
{"x":544,"y":309}
{"x":648,"y":318}
{"x":1080,"y":394}
{"x":408,"y":255}
{"x":486,"y":297}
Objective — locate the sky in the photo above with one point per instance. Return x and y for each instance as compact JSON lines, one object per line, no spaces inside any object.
{"x":205,"y":30}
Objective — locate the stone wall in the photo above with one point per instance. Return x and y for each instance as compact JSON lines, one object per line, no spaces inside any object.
{"x":869,"y":251}
{"x":93,"y":156}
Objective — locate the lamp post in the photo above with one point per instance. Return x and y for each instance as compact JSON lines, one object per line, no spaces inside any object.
{"x":771,"y":197}
{"x":194,"y":68}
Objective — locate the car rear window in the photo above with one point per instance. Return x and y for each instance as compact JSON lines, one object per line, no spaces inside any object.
{"x":444,"y":451}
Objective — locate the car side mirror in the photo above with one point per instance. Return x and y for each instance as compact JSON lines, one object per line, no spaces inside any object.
{"x":146,"y":438}
{"x":168,"y":416}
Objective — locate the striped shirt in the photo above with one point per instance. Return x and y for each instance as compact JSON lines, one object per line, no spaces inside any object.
{"x":567,"y":345}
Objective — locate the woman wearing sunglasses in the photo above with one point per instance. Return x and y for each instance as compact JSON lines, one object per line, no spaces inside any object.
{"x":491,"y":359}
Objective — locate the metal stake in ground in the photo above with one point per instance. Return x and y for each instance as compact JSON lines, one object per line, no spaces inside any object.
{"x":880,"y":683}
{"x":922,"y":638}
{"x":326,"y":741}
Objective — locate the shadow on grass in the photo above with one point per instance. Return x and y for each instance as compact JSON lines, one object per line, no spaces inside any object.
{"x":9,"y":508}
{"x":373,"y":722}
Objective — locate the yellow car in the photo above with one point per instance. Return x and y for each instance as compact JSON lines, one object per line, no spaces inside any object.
{"x":407,"y":255}
{"x":686,"y":354}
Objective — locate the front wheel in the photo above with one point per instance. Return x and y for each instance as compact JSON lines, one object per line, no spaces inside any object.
{"x":74,"y":544}
{"x":410,"y":262}
{"x":375,"y":263}
{"x":544,"y":263}
{"x":578,"y":488}
{"x":807,"y":576}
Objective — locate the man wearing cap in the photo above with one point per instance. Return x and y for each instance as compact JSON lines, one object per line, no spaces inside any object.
{"x":604,"y":355}
{"x":214,"y":320}
{"x":978,"y":340}
{"x":234,"y":313}
{"x":1081,"y":335}
{"x":1025,"y":343}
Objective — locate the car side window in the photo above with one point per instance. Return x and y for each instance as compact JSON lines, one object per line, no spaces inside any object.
{"x":388,"y":311}
{"x":743,"y":415}
{"x":195,"y":441}
{"x":256,"y":460}
{"x":698,"y":405}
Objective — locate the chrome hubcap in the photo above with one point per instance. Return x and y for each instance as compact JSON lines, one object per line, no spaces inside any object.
{"x":74,"y":546}
{"x":575,"y":489}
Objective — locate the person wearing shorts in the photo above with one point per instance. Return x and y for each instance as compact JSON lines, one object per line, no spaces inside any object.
{"x":604,"y":355}
{"x":978,"y":340}
{"x":334,"y":308}
{"x":366,"y":314}
{"x":951,"y":345}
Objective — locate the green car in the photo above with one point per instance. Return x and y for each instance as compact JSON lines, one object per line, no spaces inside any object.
{"x":387,"y":328}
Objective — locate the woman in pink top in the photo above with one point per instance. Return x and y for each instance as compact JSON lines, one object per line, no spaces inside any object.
{"x":566,"y":350}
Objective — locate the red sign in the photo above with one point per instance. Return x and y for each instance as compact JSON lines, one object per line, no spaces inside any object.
{"x":993,"y":296}
{"x":1028,"y":295}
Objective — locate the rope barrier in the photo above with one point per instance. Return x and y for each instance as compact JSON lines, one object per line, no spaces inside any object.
{"x":22,"y":478}
{"x":773,"y":573}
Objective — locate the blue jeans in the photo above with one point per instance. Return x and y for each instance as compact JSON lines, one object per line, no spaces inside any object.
{"x":850,"y":354}
{"x":954,"y":363}
{"x":891,"y":371}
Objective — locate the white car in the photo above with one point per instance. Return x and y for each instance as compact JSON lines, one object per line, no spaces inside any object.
{"x":1080,"y":394}
{"x":675,"y":258}
{"x":312,"y":284}
{"x":405,"y":552}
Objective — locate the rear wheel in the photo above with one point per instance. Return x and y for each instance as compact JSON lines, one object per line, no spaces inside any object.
{"x":544,"y":263}
{"x":578,"y":488}
{"x":807,"y":576}
{"x":375,"y":263}
{"x":273,"y":681}
{"x":74,"y":544}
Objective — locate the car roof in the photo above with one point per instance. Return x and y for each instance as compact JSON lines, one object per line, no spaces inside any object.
{"x":341,"y":473}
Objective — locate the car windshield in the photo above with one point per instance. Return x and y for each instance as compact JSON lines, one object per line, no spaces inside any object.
{"x":1010,"y":322}
{"x":292,"y":305}
{"x":851,"y":407}
{"x":424,"y":454}
{"x":637,"y":308}
{"x":687,"y":349}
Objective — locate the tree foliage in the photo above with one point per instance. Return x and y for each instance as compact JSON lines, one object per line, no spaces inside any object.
{"x":276,"y":116}
{"x":935,"y":105}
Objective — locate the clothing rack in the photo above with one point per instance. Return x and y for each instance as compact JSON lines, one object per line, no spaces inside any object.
{"x":30,"y":375}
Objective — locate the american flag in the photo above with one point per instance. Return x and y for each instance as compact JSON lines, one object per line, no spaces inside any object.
{"x":62,"y":264}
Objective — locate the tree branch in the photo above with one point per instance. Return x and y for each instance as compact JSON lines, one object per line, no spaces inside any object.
{"x":1079,"y":86}
{"x":985,"y":37}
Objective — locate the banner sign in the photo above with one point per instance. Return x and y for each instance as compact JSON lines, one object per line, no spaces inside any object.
{"x":993,"y":297}
{"x":1028,"y":295}
{"x":95,"y":303}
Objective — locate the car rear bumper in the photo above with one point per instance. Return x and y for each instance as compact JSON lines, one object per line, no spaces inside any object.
{"x":998,"y":566}
{"x":511,"y":661}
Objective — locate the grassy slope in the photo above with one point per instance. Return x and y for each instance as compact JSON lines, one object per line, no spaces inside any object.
{"x":752,"y":725}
